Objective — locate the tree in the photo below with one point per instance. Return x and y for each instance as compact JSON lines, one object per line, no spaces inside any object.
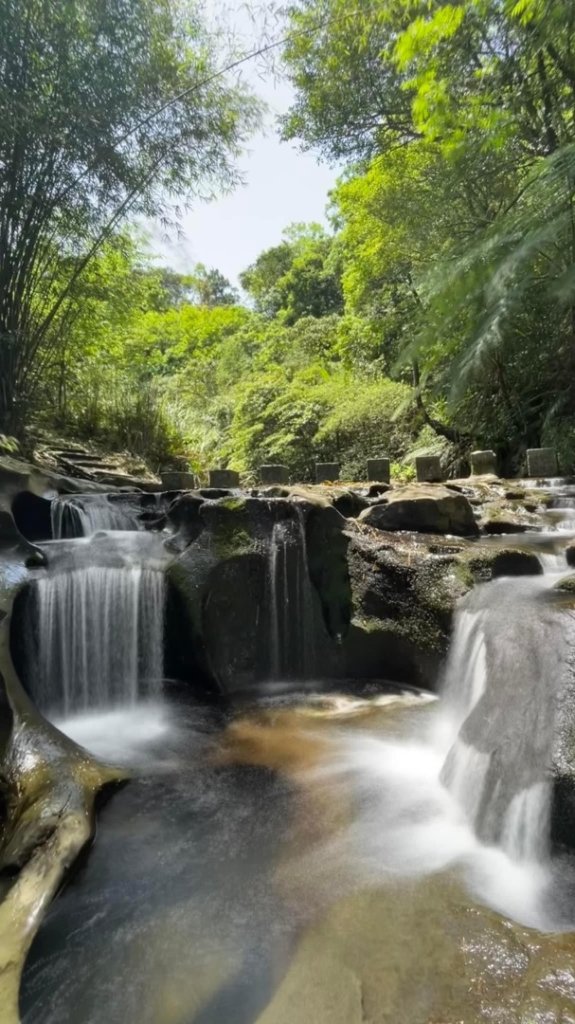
{"x":89,"y":135}
{"x":298,"y":278}
{"x":457,"y":215}
{"x":211,"y":288}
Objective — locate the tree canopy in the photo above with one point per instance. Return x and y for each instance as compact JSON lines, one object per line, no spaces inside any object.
{"x":108,"y":108}
{"x":436,"y":313}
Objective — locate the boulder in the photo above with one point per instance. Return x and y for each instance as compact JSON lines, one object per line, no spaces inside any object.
{"x":403,"y":600}
{"x":497,"y":525}
{"x":374,"y":490}
{"x":512,"y":562}
{"x":566,"y":584}
{"x":349,"y":503}
{"x":426,"y":509}
{"x":261,"y":590}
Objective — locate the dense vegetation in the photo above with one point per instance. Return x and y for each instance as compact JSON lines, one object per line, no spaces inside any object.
{"x":438,"y":314}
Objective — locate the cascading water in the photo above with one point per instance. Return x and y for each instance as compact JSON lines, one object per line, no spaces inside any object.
{"x":84,"y":514}
{"x":98,"y":627}
{"x":500,"y":696}
{"x":507,"y":658}
{"x":292,"y":609}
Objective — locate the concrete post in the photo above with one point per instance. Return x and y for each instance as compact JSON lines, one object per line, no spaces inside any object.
{"x":274,"y":474}
{"x":428,"y":469}
{"x":326,"y":472}
{"x":224,"y":478}
{"x":378,"y":470}
{"x":542,"y":462}
{"x":178,"y":480}
{"x":483,"y":463}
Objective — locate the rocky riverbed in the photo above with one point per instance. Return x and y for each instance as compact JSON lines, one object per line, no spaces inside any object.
{"x":356,"y":585}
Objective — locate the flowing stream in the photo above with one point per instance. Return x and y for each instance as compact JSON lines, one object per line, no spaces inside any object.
{"x":360,"y":856}
{"x":80,"y":515}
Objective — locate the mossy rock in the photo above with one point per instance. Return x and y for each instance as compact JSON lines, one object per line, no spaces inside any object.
{"x":566,"y":584}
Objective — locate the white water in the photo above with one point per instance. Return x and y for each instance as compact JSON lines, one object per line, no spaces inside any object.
{"x":100,"y":637}
{"x":98,"y":618}
{"x":122,"y":735}
{"x":82,"y":515}
{"x":292,"y":633}
{"x":409,"y":825}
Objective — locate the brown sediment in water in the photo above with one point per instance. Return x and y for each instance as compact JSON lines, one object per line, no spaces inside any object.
{"x":281,"y":741}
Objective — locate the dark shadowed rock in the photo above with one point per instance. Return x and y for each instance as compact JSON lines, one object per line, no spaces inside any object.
{"x":376,"y":489}
{"x":349,"y":503}
{"x":516,"y":563}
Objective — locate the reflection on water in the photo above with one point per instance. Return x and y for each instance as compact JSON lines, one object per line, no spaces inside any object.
{"x":300,"y":864}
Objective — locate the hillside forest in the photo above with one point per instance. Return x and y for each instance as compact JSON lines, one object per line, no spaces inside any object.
{"x":436,"y":314}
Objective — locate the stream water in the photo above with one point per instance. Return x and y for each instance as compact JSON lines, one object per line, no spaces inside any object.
{"x":372,"y":855}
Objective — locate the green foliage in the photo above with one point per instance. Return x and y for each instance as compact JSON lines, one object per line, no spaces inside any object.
{"x":299,"y":278}
{"x":438,"y":315}
{"x":366,"y":419}
{"x":456,"y":221}
{"x":88,"y":137}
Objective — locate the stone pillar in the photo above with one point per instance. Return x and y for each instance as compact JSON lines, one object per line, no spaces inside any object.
{"x":274,"y":474}
{"x":542,"y":462}
{"x":326,"y":472}
{"x":378,"y":470}
{"x":428,"y":469}
{"x":224,"y":478}
{"x":176,"y":480}
{"x":483,"y":463}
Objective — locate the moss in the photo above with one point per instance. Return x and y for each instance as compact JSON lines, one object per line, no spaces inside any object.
{"x":232,"y":504}
{"x":566,"y":584}
{"x":421,"y":631}
{"x":465,"y":573}
{"x":231,"y":541}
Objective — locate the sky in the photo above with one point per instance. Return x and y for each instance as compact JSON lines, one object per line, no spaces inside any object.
{"x":282,"y":185}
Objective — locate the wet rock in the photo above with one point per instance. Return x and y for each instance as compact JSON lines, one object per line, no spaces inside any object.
{"x":184,"y":516}
{"x":350,"y":504}
{"x":426,"y":509}
{"x":403,"y":603}
{"x":252,"y":561}
{"x":326,"y":548}
{"x":510,"y":562}
{"x":501,"y":524}
{"x":566,"y":584}
{"x":563,"y":762}
{"x":570,"y":553}
{"x":376,"y":489}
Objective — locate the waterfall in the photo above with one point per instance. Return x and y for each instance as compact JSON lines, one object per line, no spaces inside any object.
{"x":95,"y":623}
{"x":291,"y":599}
{"x":83,"y":514}
{"x":500,"y":685}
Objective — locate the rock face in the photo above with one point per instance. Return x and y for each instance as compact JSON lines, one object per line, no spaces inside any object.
{"x":261,"y":586}
{"x":424,"y":509}
{"x":352,"y":601}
